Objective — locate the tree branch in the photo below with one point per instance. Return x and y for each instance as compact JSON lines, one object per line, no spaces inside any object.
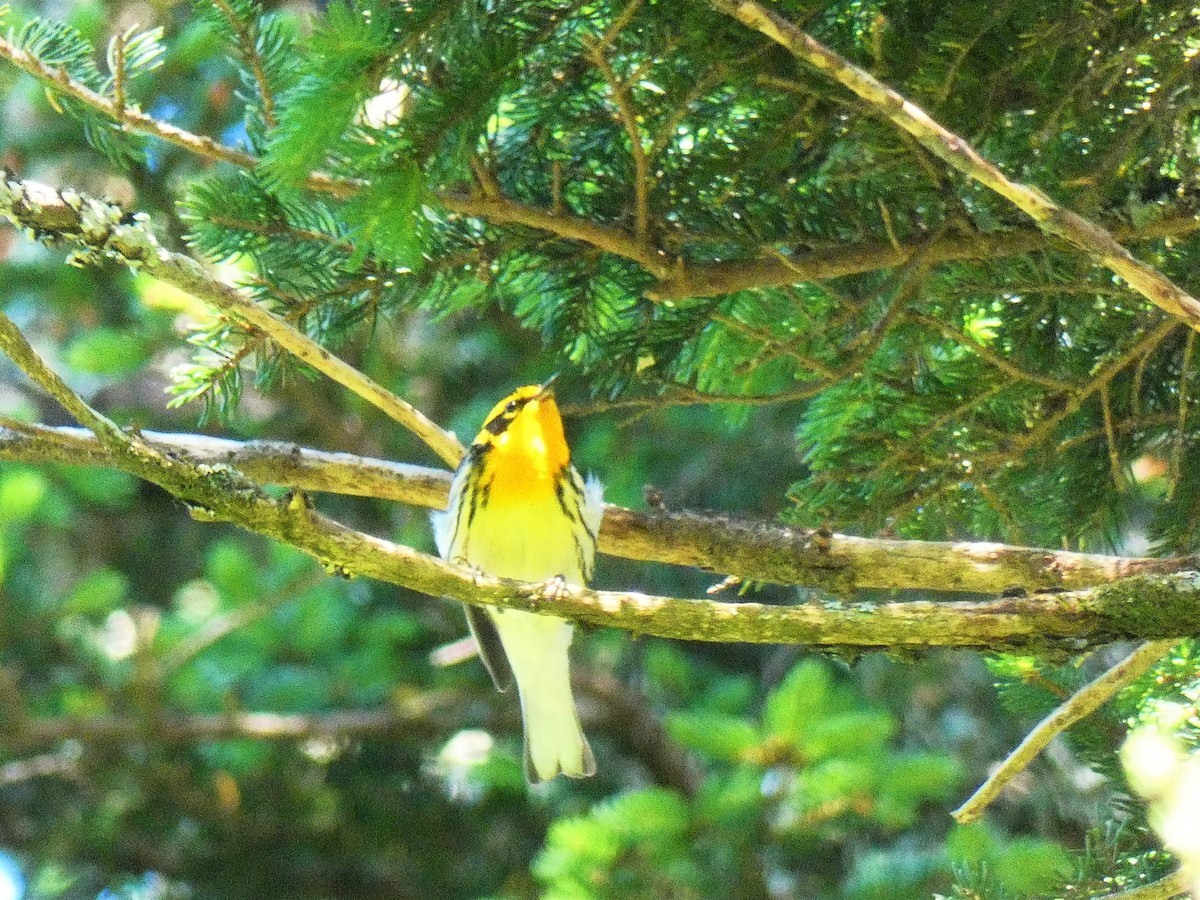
{"x":629,"y":121}
{"x":170,"y":729}
{"x":1138,"y":607}
{"x":956,"y":152}
{"x":726,"y":277}
{"x":1079,"y":706}
{"x":617,"y":241}
{"x":1174,"y":885}
{"x":59,"y":80}
{"x":103,"y":231}
{"x":248,"y":43}
{"x":1144,"y":607}
{"x":753,"y":550}
{"x":676,"y":280}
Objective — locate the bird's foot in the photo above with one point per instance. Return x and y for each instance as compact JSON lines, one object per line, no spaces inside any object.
{"x":554,"y":588}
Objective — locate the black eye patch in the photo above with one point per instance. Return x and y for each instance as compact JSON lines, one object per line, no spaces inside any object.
{"x":500,"y":422}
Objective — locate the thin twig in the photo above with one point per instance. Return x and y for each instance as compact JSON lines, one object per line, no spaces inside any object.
{"x":1110,"y":434}
{"x":247,"y":35}
{"x":991,"y":356}
{"x":1129,"y":425}
{"x":1139,"y":376}
{"x":1082,"y":704}
{"x":103,"y":231}
{"x":1173,"y":885}
{"x":18,"y":349}
{"x":629,"y":121}
{"x":1013,"y":449}
{"x":902,"y":285}
{"x":217,"y":628}
{"x":770,"y":341}
{"x":119,"y":76}
{"x":915,"y":444}
{"x":619,"y":23}
{"x":59,"y":80}
{"x":1181,"y":424}
{"x":956,"y":152}
{"x":1098,"y":382}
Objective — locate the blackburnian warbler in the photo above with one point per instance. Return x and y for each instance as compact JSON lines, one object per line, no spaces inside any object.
{"x":519,"y":509}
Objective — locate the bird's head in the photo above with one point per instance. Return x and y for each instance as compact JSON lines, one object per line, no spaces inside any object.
{"x":525,"y":429}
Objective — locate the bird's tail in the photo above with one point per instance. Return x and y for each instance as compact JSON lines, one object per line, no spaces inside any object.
{"x":536,"y":647}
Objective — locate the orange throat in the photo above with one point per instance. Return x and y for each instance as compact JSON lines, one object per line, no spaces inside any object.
{"x":525,"y":461}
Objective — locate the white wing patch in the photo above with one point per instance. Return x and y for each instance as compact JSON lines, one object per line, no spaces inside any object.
{"x":593,"y":503}
{"x":443,"y":520}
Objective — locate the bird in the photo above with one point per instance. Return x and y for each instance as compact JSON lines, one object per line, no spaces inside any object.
{"x":519,"y":509}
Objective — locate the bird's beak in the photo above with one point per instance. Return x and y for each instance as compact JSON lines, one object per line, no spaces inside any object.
{"x":546,"y":389}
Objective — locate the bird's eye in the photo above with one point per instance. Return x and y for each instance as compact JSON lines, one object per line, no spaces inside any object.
{"x":512,"y":406}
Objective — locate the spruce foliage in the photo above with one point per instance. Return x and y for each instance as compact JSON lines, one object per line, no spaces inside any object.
{"x":558,"y":169}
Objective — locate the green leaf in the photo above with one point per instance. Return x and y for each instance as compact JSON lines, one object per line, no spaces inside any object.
{"x":798,"y":700}
{"x":653,"y":815}
{"x":847,"y":734}
{"x":22,"y":491}
{"x":106,"y":351}
{"x":922,"y":776}
{"x":1028,"y":866}
{"x":232,"y":568}
{"x":971,"y":844}
{"x":384,"y":218}
{"x":733,"y":801}
{"x":339,"y":73}
{"x":715,"y":735}
{"x":575,"y":848}
{"x":100,"y":591}
{"x":107,"y":488}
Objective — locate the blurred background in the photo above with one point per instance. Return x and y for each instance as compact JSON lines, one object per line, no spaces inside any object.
{"x":132,"y":638}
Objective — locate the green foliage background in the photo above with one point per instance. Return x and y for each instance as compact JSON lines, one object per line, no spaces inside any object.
{"x":865,"y":402}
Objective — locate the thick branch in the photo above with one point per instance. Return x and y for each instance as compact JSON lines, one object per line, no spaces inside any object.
{"x":1147,"y":607}
{"x":956,"y":152}
{"x":1140,"y":607}
{"x":268,"y":462}
{"x":752,"y":550}
{"x":103,"y":231}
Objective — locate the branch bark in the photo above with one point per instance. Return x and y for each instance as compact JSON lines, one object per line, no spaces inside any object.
{"x":676,"y":279}
{"x":753,"y":550}
{"x":709,"y":279}
{"x":103,"y":231}
{"x":957,"y":153}
{"x":1079,"y":706}
{"x":1145,"y":607}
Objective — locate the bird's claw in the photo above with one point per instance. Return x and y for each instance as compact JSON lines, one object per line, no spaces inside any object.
{"x":554,"y":588}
